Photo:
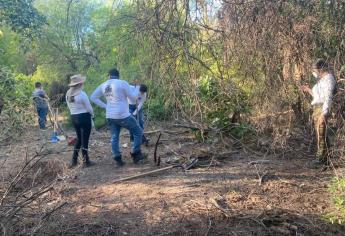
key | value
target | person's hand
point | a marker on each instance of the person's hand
(304, 88)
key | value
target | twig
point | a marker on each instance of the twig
(144, 174)
(260, 176)
(18, 177)
(54, 210)
(259, 162)
(224, 211)
(157, 161)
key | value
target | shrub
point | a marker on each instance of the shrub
(15, 91)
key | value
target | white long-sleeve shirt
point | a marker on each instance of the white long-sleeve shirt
(139, 101)
(323, 93)
(116, 93)
(80, 105)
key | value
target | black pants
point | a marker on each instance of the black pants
(82, 126)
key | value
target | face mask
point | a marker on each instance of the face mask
(316, 76)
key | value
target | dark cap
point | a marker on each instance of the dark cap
(320, 64)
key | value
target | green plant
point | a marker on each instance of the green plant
(158, 109)
(15, 90)
(337, 190)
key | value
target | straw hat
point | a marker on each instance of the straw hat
(77, 79)
(74, 90)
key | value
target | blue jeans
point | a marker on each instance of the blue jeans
(130, 124)
(139, 116)
(42, 116)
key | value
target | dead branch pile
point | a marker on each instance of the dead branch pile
(27, 195)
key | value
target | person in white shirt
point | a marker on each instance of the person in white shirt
(81, 115)
(137, 110)
(116, 93)
(322, 94)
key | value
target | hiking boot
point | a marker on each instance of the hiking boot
(86, 160)
(137, 157)
(119, 162)
(74, 161)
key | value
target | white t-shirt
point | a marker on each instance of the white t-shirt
(116, 93)
(140, 99)
(80, 105)
(323, 93)
(134, 101)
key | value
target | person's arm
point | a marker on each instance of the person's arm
(140, 104)
(95, 97)
(305, 88)
(87, 103)
(131, 91)
(45, 95)
(328, 95)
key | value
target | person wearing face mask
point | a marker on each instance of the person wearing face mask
(322, 93)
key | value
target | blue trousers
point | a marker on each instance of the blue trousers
(139, 116)
(42, 116)
(130, 124)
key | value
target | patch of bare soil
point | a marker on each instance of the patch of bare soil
(231, 191)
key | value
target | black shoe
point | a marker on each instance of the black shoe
(88, 163)
(73, 164)
(86, 160)
(137, 157)
(119, 162)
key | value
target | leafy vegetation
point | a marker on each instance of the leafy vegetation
(217, 64)
(337, 190)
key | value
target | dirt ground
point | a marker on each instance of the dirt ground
(231, 191)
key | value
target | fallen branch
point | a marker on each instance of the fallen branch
(157, 160)
(185, 166)
(224, 211)
(259, 162)
(144, 174)
(47, 215)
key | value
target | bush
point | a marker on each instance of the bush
(158, 109)
(15, 91)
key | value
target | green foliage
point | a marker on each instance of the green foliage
(158, 109)
(99, 120)
(21, 16)
(15, 90)
(337, 190)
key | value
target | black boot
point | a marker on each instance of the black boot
(86, 159)
(137, 157)
(74, 161)
(119, 162)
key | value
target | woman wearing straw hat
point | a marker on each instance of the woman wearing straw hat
(81, 114)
